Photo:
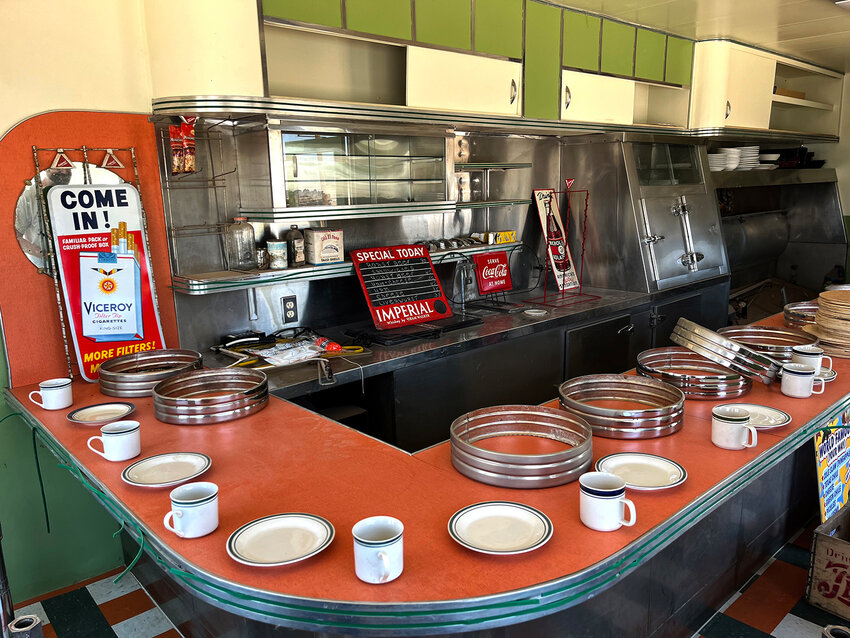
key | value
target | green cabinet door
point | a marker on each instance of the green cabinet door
(326, 12)
(618, 48)
(389, 18)
(649, 55)
(581, 40)
(542, 60)
(498, 27)
(446, 23)
(680, 58)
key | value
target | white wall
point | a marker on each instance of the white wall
(72, 54)
(198, 47)
(116, 55)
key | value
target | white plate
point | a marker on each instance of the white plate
(500, 527)
(764, 417)
(101, 413)
(643, 471)
(280, 539)
(164, 470)
(827, 375)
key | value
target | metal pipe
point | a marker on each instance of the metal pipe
(7, 611)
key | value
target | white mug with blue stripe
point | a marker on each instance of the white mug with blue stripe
(378, 549)
(603, 503)
(194, 510)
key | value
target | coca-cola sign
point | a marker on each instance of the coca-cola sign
(492, 272)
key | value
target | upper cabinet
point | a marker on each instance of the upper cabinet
(458, 82)
(542, 60)
(498, 27)
(742, 87)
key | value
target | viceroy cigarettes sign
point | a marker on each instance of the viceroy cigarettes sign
(106, 282)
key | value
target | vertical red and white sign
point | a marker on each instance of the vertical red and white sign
(105, 272)
(492, 272)
(556, 243)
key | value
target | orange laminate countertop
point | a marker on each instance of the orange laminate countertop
(287, 459)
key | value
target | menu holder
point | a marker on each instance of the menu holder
(400, 285)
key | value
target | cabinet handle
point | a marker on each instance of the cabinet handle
(513, 91)
(628, 329)
(728, 109)
(568, 97)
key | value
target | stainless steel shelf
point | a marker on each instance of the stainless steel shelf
(490, 166)
(228, 280)
(358, 211)
(778, 177)
(494, 203)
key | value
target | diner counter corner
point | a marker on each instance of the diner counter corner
(289, 459)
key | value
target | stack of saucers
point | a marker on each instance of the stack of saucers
(732, 157)
(716, 162)
(749, 158)
(832, 325)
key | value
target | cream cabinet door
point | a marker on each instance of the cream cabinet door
(732, 86)
(586, 97)
(458, 82)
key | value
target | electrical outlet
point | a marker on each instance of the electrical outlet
(289, 308)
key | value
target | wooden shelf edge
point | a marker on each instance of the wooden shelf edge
(795, 101)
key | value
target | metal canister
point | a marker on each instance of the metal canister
(277, 255)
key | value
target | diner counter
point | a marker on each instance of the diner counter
(288, 459)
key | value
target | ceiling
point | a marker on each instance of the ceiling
(814, 30)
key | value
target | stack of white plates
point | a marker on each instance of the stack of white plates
(716, 162)
(749, 158)
(732, 157)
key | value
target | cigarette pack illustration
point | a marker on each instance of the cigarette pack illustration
(111, 291)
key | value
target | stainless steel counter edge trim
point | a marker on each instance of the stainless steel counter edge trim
(551, 595)
(279, 106)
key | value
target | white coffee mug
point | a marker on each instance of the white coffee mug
(121, 440)
(55, 394)
(194, 510)
(810, 355)
(603, 503)
(378, 549)
(799, 380)
(731, 429)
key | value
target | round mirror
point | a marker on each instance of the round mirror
(29, 228)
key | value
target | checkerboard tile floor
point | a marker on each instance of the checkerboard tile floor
(101, 609)
(773, 601)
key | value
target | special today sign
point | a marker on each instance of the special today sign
(104, 270)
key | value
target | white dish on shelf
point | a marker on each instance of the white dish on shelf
(500, 527)
(280, 539)
(101, 413)
(643, 471)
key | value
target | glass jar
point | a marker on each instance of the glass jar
(295, 246)
(240, 250)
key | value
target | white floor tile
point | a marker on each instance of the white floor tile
(147, 625)
(795, 627)
(105, 590)
(34, 609)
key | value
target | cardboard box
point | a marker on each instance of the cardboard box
(323, 245)
(496, 237)
(800, 95)
(828, 585)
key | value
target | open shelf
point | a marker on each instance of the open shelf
(490, 166)
(779, 100)
(228, 280)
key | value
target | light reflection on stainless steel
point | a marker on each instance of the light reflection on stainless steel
(135, 375)
(694, 375)
(521, 470)
(662, 416)
(800, 313)
(771, 340)
(210, 396)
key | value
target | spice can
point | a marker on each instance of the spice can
(277, 255)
